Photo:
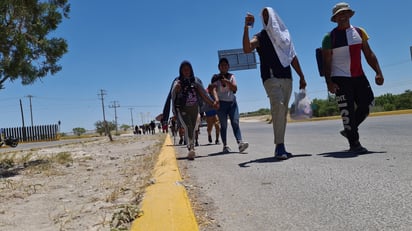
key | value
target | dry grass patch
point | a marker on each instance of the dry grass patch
(94, 185)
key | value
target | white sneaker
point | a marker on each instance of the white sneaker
(243, 146)
(226, 149)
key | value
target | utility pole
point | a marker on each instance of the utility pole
(142, 117)
(22, 119)
(106, 130)
(131, 116)
(115, 105)
(148, 117)
(31, 111)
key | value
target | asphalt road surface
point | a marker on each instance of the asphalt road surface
(322, 187)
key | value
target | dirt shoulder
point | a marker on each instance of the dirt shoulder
(261, 118)
(94, 185)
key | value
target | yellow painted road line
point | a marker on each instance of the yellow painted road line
(166, 206)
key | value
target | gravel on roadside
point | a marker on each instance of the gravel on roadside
(95, 185)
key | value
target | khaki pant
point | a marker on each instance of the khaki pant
(279, 92)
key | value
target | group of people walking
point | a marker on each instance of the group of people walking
(342, 49)
(188, 96)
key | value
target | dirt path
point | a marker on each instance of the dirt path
(86, 186)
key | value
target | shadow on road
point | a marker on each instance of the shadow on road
(211, 155)
(271, 159)
(346, 154)
(223, 153)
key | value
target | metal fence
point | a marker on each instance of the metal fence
(33, 133)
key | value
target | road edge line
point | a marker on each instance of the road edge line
(166, 205)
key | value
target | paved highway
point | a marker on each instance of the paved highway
(321, 188)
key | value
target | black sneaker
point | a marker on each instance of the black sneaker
(217, 142)
(343, 133)
(283, 156)
(209, 139)
(281, 153)
(359, 149)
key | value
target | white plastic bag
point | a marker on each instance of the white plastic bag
(301, 108)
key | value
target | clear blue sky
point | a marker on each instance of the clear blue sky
(133, 49)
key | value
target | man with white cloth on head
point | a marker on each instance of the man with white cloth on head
(277, 54)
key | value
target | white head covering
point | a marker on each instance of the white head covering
(280, 37)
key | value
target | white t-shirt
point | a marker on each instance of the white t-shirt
(223, 92)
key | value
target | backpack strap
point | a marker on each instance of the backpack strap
(319, 61)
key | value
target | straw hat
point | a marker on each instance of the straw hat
(342, 6)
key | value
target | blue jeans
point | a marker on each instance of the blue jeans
(229, 109)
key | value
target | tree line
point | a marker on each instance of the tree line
(386, 102)
(329, 107)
